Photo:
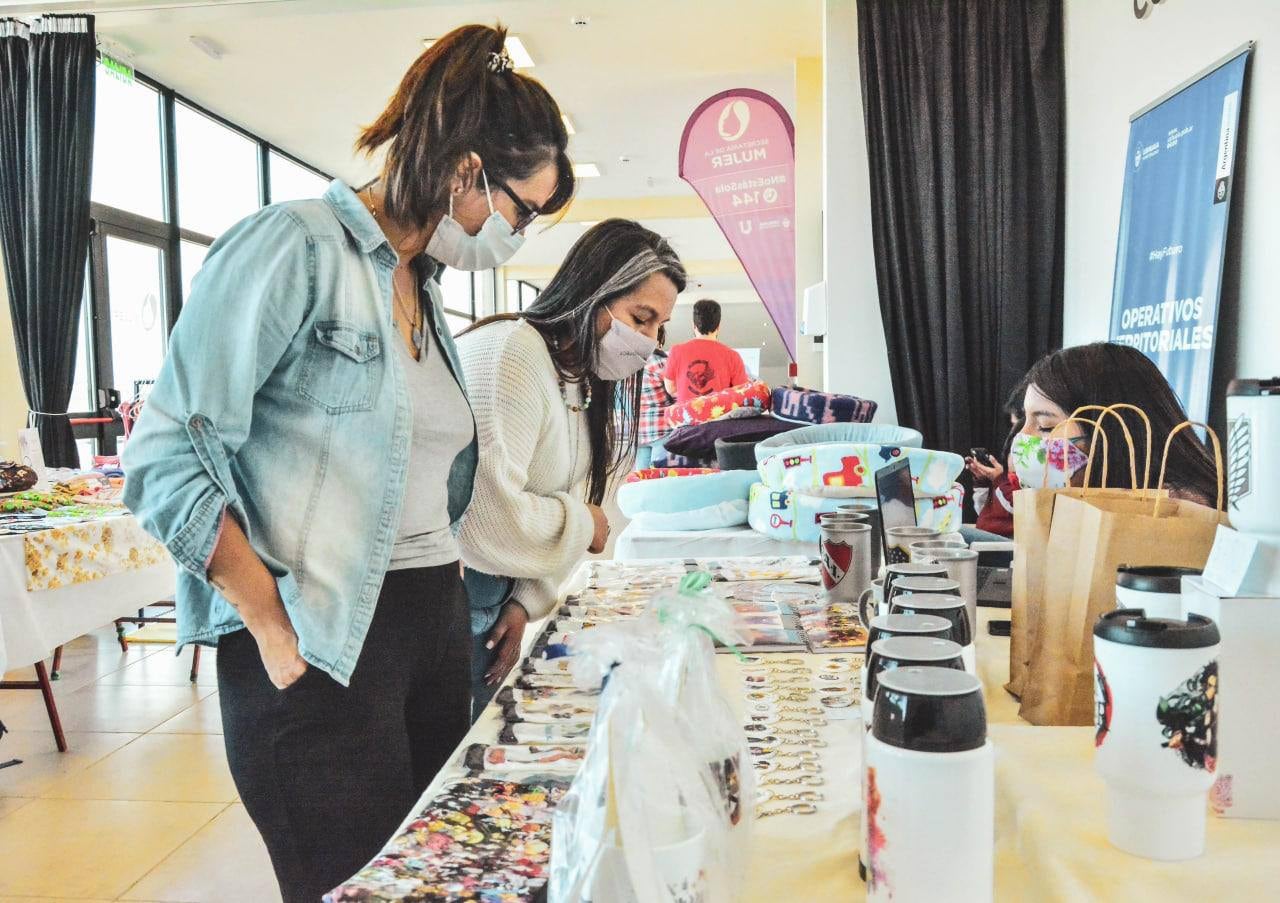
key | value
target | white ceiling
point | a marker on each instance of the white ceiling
(306, 74)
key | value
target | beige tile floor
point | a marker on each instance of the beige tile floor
(141, 807)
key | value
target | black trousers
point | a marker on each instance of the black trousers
(327, 772)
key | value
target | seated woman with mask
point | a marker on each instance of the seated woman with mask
(1106, 374)
(544, 385)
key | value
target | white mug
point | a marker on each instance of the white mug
(1156, 589)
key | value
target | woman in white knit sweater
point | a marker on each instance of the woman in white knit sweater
(544, 385)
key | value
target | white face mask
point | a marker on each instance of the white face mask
(623, 351)
(492, 246)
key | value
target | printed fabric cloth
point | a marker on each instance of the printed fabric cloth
(81, 553)
(659, 473)
(698, 440)
(807, 406)
(740, 401)
(480, 839)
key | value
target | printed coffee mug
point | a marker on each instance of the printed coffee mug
(1156, 589)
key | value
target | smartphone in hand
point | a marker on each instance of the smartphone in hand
(982, 456)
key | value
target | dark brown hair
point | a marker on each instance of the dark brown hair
(1105, 374)
(706, 316)
(453, 101)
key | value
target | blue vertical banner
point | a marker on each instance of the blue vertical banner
(1173, 228)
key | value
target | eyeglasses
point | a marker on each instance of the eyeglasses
(525, 214)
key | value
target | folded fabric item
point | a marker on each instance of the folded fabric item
(784, 514)
(869, 433)
(713, 517)
(662, 473)
(809, 406)
(736, 454)
(698, 440)
(684, 493)
(844, 470)
(737, 401)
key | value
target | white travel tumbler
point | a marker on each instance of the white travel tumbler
(887, 655)
(1156, 688)
(929, 787)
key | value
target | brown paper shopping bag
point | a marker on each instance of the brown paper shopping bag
(1032, 516)
(1090, 536)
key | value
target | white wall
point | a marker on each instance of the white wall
(13, 400)
(1117, 64)
(856, 357)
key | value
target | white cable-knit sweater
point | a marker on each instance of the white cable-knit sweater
(527, 518)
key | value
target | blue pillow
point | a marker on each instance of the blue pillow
(669, 495)
(866, 433)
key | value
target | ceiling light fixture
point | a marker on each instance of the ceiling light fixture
(586, 171)
(568, 124)
(520, 57)
(207, 46)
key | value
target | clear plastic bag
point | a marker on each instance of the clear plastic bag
(660, 811)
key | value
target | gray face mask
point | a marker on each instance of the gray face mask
(491, 247)
(623, 351)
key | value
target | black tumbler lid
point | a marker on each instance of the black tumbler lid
(1132, 627)
(926, 585)
(933, 710)
(1254, 386)
(900, 651)
(906, 625)
(942, 605)
(1154, 578)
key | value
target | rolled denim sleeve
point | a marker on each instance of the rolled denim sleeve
(246, 306)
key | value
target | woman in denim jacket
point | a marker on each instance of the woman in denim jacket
(308, 451)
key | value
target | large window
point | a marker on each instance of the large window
(521, 294)
(291, 182)
(127, 170)
(461, 293)
(168, 179)
(217, 173)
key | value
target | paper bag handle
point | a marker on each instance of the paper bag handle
(1217, 458)
(1044, 480)
(1128, 436)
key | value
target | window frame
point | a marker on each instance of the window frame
(167, 236)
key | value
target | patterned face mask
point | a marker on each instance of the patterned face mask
(1038, 463)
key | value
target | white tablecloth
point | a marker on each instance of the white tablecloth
(723, 542)
(33, 624)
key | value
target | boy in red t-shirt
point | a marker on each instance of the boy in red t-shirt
(703, 365)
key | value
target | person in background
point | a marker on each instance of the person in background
(654, 401)
(992, 491)
(1103, 373)
(545, 385)
(308, 451)
(703, 365)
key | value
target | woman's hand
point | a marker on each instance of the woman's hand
(991, 474)
(279, 651)
(505, 638)
(601, 536)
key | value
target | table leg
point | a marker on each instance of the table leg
(195, 661)
(51, 706)
(124, 644)
(57, 664)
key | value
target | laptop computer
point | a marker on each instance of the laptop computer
(896, 497)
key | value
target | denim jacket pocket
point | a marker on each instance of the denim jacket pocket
(340, 367)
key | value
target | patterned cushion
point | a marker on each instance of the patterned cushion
(839, 469)
(739, 401)
(698, 440)
(808, 406)
(662, 473)
(787, 514)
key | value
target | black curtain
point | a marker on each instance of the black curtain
(964, 108)
(46, 159)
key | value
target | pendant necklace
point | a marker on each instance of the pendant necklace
(413, 318)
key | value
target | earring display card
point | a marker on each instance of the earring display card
(478, 840)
